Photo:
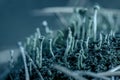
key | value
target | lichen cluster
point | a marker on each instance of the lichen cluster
(89, 43)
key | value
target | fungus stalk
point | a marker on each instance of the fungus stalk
(106, 38)
(73, 44)
(35, 42)
(101, 38)
(51, 51)
(76, 19)
(45, 24)
(112, 34)
(79, 60)
(76, 43)
(24, 59)
(39, 52)
(28, 41)
(82, 13)
(59, 34)
(87, 42)
(83, 28)
(75, 28)
(11, 58)
(34, 46)
(38, 32)
(35, 67)
(80, 56)
(30, 67)
(69, 43)
(95, 21)
(41, 45)
(89, 31)
(82, 50)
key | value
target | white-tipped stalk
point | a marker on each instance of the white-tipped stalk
(11, 58)
(45, 24)
(38, 32)
(69, 43)
(24, 59)
(51, 51)
(95, 21)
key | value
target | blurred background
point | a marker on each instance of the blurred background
(17, 21)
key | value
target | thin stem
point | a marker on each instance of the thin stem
(73, 44)
(95, 21)
(38, 32)
(89, 30)
(87, 42)
(51, 51)
(35, 67)
(101, 38)
(76, 43)
(59, 34)
(69, 43)
(11, 58)
(24, 59)
(83, 28)
(39, 52)
(48, 31)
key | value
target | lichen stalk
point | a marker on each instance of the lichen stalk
(95, 21)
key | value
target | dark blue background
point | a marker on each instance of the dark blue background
(16, 22)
